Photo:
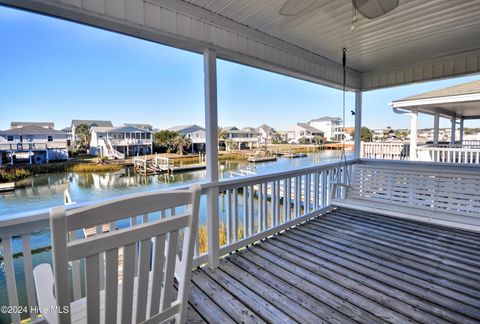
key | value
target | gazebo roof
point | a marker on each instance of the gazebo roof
(461, 100)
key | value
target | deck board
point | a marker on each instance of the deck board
(346, 266)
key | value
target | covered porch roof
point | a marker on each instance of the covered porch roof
(418, 41)
(459, 101)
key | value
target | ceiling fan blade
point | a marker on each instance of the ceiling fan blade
(296, 7)
(374, 8)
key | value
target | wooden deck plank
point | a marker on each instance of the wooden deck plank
(306, 300)
(419, 240)
(256, 303)
(384, 240)
(279, 300)
(208, 310)
(398, 261)
(388, 307)
(316, 287)
(409, 284)
(229, 303)
(418, 228)
(376, 243)
(347, 266)
(459, 234)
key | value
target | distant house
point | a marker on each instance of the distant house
(22, 124)
(89, 123)
(244, 138)
(303, 130)
(146, 127)
(33, 142)
(331, 126)
(266, 134)
(120, 142)
(194, 132)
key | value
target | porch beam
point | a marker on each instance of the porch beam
(436, 126)
(211, 129)
(358, 125)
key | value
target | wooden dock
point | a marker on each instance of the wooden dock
(346, 267)
(160, 164)
(256, 159)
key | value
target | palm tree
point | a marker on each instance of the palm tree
(276, 138)
(231, 145)
(180, 142)
(222, 136)
(83, 135)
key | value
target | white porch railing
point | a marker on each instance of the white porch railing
(465, 153)
(475, 143)
(449, 154)
(387, 151)
(251, 208)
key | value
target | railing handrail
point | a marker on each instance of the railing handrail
(40, 217)
(424, 165)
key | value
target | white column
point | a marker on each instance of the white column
(358, 125)
(452, 138)
(436, 126)
(413, 135)
(461, 130)
(211, 125)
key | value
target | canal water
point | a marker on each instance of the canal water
(44, 191)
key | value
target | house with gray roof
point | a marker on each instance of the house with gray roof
(15, 124)
(303, 130)
(33, 142)
(194, 132)
(89, 123)
(120, 142)
(331, 126)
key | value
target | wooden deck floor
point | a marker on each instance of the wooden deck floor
(346, 266)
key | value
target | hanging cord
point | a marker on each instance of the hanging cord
(343, 157)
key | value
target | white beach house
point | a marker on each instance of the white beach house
(244, 138)
(194, 132)
(120, 142)
(35, 142)
(303, 132)
(89, 124)
(331, 127)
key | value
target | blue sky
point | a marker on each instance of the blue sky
(54, 70)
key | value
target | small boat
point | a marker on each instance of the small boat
(8, 186)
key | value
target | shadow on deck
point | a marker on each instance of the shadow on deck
(346, 266)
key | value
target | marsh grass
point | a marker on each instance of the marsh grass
(14, 173)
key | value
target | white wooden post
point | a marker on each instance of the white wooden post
(436, 126)
(413, 135)
(461, 130)
(452, 137)
(211, 125)
(358, 125)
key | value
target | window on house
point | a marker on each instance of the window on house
(50, 138)
(10, 138)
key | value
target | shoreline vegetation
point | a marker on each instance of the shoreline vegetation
(15, 173)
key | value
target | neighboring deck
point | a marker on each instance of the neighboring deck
(346, 266)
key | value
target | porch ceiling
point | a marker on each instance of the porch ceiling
(418, 41)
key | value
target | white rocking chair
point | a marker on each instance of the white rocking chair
(145, 291)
